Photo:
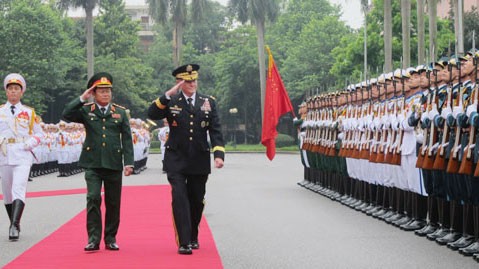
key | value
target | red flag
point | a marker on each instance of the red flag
(276, 103)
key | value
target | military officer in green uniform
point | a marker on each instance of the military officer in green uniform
(106, 152)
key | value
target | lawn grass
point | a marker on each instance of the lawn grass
(246, 148)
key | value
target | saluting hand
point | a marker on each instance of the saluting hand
(219, 163)
(174, 90)
(88, 93)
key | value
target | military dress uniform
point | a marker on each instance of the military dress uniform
(187, 155)
(20, 132)
(107, 149)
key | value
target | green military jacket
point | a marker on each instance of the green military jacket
(108, 143)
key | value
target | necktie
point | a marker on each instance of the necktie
(103, 110)
(12, 108)
(190, 102)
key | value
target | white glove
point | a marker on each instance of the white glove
(424, 116)
(446, 111)
(456, 110)
(420, 138)
(30, 144)
(341, 136)
(433, 113)
(400, 118)
(470, 109)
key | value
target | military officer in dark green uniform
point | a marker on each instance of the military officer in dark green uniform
(192, 117)
(106, 152)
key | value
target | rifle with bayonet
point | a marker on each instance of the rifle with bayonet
(440, 160)
(428, 162)
(453, 164)
(376, 137)
(467, 158)
(396, 159)
(430, 96)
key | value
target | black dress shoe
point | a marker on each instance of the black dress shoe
(194, 245)
(112, 246)
(462, 242)
(430, 228)
(437, 234)
(92, 247)
(448, 238)
(413, 225)
(470, 250)
(185, 250)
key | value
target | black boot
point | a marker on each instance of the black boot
(9, 211)
(17, 210)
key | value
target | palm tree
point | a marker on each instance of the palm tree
(388, 29)
(420, 32)
(406, 33)
(432, 10)
(88, 6)
(257, 11)
(161, 10)
(365, 10)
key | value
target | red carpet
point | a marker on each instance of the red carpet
(146, 239)
(52, 193)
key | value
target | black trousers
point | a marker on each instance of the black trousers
(188, 194)
(112, 181)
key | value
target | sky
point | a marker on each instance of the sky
(351, 10)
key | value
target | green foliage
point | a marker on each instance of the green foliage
(283, 140)
(36, 43)
(155, 144)
(115, 32)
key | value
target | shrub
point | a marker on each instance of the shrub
(155, 144)
(283, 140)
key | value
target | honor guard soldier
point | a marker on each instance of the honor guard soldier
(192, 117)
(20, 132)
(107, 150)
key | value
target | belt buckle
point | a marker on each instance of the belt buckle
(11, 140)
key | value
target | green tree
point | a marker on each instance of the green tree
(37, 43)
(235, 72)
(163, 10)
(115, 32)
(258, 12)
(117, 52)
(88, 6)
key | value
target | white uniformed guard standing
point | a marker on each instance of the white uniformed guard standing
(19, 134)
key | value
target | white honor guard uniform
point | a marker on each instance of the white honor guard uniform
(19, 134)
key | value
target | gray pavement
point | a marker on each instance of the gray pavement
(260, 218)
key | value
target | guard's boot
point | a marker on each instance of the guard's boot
(8, 207)
(431, 223)
(452, 234)
(466, 239)
(17, 210)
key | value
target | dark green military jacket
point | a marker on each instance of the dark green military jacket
(108, 143)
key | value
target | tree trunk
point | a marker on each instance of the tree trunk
(420, 32)
(387, 36)
(432, 10)
(406, 33)
(177, 43)
(261, 60)
(89, 42)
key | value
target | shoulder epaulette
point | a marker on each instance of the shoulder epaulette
(212, 97)
(29, 107)
(117, 105)
(88, 104)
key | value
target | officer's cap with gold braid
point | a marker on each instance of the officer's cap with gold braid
(188, 72)
(15, 78)
(101, 80)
